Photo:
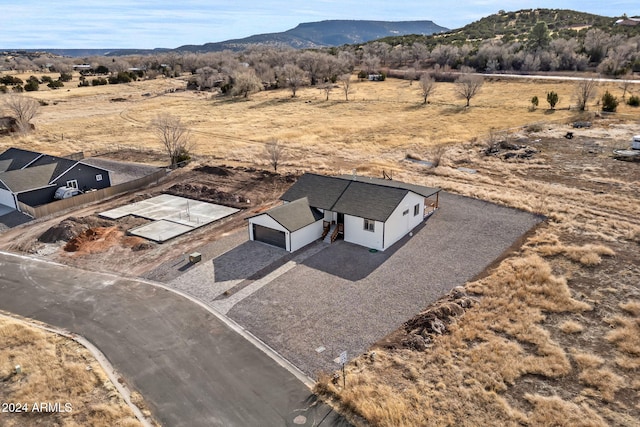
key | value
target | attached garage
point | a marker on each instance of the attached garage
(290, 226)
(270, 236)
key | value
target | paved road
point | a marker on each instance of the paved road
(192, 369)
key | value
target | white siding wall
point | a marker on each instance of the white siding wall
(354, 232)
(6, 198)
(266, 221)
(306, 235)
(330, 216)
(398, 225)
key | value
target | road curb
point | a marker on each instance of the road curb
(102, 360)
(257, 342)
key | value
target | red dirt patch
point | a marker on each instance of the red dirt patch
(94, 240)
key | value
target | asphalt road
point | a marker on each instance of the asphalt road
(191, 368)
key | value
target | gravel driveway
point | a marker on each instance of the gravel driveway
(346, 298)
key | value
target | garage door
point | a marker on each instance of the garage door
(269, 235)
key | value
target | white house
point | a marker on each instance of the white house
(374, 213)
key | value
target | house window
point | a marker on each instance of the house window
(73, 183)
(99, 177)
(405, 213)
(369, 225)
(416, 210)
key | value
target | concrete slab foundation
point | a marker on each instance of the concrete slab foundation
(160, 231)
(173, 216)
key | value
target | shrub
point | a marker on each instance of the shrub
(98, 82)
(32, 84)
(18, 88)
(46, 79)
(634, 101)
(101, 69)
(609, 102)
(10, 80)
(122, 77)
(534, 102)
(65, 77)
(4, 89)
(552, 99)
(362, 75)
(56, 84)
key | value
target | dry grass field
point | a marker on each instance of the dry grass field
(382, 122)
(553, 337)
(55, 370)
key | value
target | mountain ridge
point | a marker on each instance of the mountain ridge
(306, 35)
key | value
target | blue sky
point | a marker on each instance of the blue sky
(30, 24)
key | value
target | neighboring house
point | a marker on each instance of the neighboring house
(33, 178)
(629, 22)
(374, 213)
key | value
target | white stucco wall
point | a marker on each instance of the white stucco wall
(305, 235)
(6, 198)
(398, 225)
(266, 221)
(354, 232)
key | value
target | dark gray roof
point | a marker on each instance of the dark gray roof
(322, 191)
(5, 164)
(418, 189)
(19, 157)
(29, 178)
(295, 215)
(61, 165)
(369, 201)
(369, 198)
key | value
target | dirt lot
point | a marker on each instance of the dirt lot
(85, 240)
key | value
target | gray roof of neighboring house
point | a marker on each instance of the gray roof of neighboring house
(369, 198)
(22, 170)
(19, 158)
(295, 215)
(5, 164)
(28, 179)
(61, 164)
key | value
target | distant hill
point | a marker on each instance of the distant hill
(512, 26)
(325, 34)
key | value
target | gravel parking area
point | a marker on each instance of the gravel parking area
(347, 298)
(121, 171)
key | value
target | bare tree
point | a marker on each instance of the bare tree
(427, 84)
(245, 82)
(274, 152)
(174, 136)
(294, 77)
(23, 109)
(345, 84)
(315, 64)
(468, 85)
(326, 87)
(410, 74)
(371, 63)
(585, 92)
(625, 84)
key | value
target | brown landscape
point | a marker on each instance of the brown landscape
(546, 336)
